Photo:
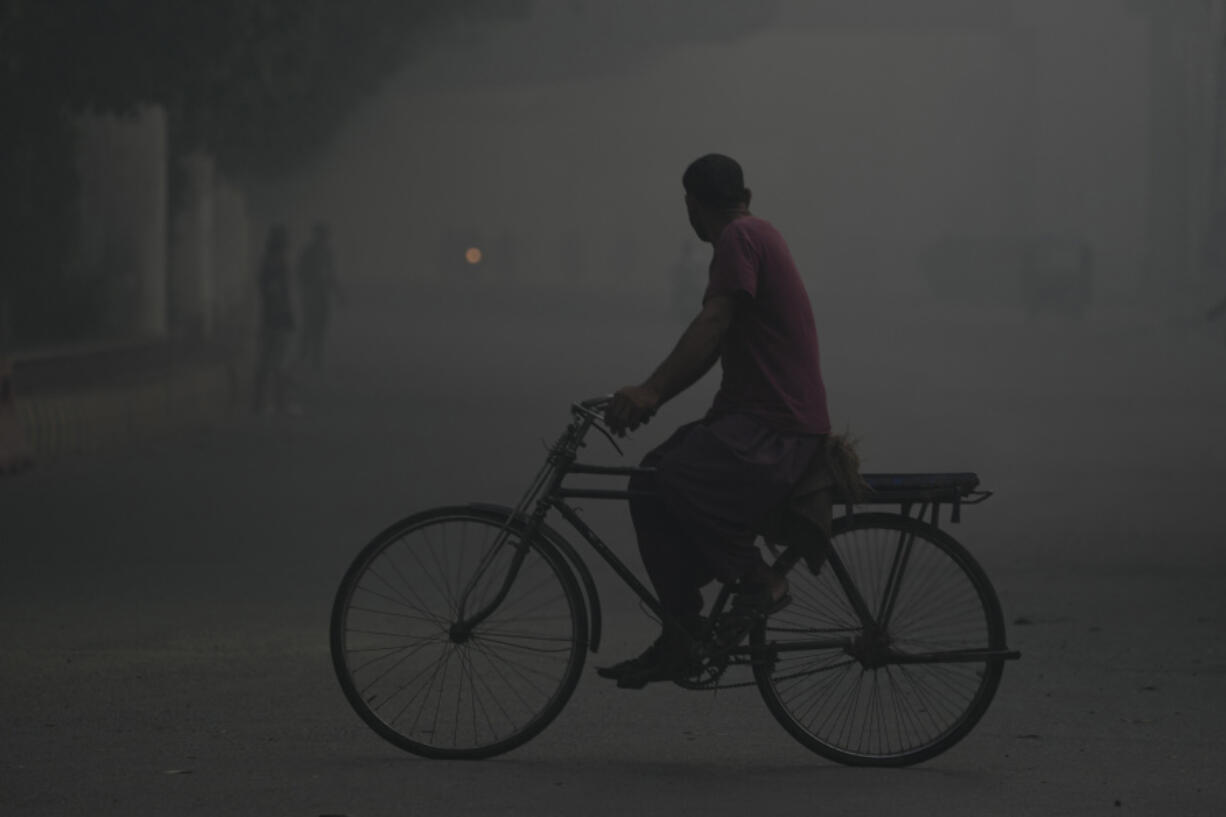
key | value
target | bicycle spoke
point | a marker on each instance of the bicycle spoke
(440, 689)
(500, 666)
(416, 604)
(851, 704)
(404, 582)
(546, 641)
(388, 613)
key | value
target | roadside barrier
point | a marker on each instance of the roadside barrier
(15, 453)
(87, 420)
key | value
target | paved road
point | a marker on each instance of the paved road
(163, 609)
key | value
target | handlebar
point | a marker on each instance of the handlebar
(595, 403)
(594, 407)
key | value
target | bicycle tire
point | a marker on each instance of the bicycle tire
(394, 651)
(896, 714)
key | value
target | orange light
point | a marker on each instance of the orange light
(472, 255)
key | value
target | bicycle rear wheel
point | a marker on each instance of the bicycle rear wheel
(864, 702)
(446, 691)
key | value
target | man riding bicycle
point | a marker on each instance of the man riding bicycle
(714, 480)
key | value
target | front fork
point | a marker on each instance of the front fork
(464, 624)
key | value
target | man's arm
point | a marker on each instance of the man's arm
(692, 357)
(696, 351)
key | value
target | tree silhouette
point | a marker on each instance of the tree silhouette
(260, 84)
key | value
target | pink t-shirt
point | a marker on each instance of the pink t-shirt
(769, 357)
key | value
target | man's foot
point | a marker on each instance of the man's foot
(649, 657)
(673, 660)
(762, 600)
(669, 658)
(761, 589)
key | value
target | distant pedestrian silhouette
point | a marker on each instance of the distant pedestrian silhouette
(1217, 311)
(319, 286)
(271, 392)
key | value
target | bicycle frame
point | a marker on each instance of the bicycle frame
(547, 493)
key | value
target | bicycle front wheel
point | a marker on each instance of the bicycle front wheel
(454, 637)
(906, 688)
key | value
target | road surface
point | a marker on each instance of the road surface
(163, 608)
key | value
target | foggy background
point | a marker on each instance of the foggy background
(1006, 217)
(555, 143)
(864, 141)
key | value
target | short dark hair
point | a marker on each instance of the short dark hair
(716, 180)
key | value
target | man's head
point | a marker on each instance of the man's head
(714, 192)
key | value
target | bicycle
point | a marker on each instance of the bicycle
(461, 631)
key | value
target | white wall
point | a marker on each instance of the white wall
(121, 240)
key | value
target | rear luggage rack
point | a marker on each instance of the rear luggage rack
(906, 490)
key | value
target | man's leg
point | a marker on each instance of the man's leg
(674, 565)
(321, 338)
(712, 483)
(263, 372)
(279, 348)
(721, 481)
(672, 561)
(676, 572)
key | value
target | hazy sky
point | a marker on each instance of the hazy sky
(862, 143)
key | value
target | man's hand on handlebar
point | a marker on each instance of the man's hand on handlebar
(630, 407)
